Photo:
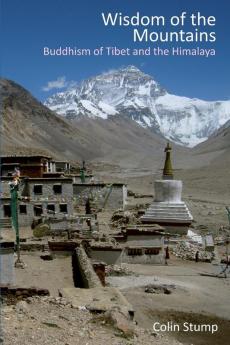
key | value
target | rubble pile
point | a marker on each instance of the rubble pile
(120, 218)
(142, 207)
(223, 235)
(224, 230)
(187, 251)
(53, 320)
(219, 240)
(138, 195)
(119, 319)
(12, 294)
(159, 289)
(117, 270)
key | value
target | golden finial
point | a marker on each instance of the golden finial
(168, 170)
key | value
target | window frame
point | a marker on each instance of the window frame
(21, 206)
(8, 213)
(50, 209)
(41, 210)
(57, 185)
(64, 204)
(134, 251)
(38, 185)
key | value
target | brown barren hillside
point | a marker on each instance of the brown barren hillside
(28, 126)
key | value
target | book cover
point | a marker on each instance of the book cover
(115, 190)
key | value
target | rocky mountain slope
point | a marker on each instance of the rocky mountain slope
(28, 126)
(218, 141)
(137, 96)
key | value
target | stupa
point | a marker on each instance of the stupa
(167, 209)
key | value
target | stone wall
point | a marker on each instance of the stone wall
(115, 257)
(145, 240)
(7, 274)
(83, 272)
(99, 268)
(110, 256)
(65, 224)
(32, 247)
(143, 258)
(12, 294)
(77, 178)
(47, 189)
(5, 188)
(108, 196)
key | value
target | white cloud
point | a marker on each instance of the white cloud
(72, 84)
(109, 71)
(59, 83)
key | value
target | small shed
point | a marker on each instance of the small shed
(208, 243)
(144, 244)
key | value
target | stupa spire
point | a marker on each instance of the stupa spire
(168, 170)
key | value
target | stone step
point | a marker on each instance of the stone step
(165, 218)
(5, 220)
(172, 206)
(185, 210)
(166, 214)
(46, 247)
(5, 223)
(162, 213)
(170, 214)
(167, 210)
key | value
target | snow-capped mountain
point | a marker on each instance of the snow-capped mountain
(132, 93)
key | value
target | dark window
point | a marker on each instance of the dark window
(63, 208)
(7, 210)
(22, 209)
(134, 251)
(152, 251)
(57, 188)
(38, 189)
(37, 210)
(51, 208)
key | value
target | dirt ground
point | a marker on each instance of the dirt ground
(52, 275)
(53, 320)
(194, 298)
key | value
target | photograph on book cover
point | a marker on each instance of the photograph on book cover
(115, 184)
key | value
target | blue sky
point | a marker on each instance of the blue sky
(27, 26)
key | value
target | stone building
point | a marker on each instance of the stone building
(50, 189)
(142, 244)
(46, 196)
(33, 166)
(42, 181)
(28, 165)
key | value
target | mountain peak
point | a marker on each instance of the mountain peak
(131, 93)
(131, 68)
